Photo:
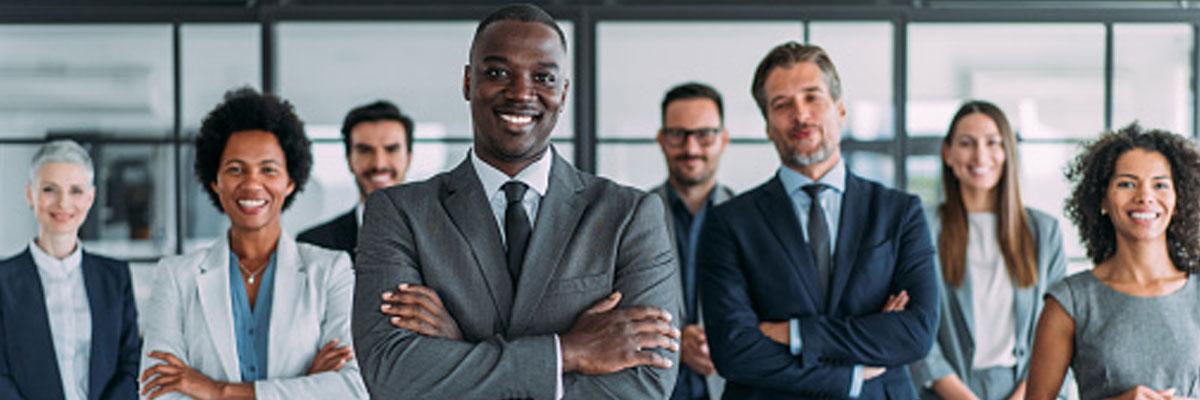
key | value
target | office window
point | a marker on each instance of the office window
(216, 58)
(93, 80)
(1152, 76)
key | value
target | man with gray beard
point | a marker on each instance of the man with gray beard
(818, 283)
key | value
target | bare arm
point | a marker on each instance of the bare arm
(1053, 347)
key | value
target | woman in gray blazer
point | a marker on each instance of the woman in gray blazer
(255, 315)
(997, 259)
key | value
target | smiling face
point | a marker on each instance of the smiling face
(253, 181)
(803, 119)
(975, 153)
(61, 196)
(378, 155)
(516, 89)
(1140, 199)
(692, 162)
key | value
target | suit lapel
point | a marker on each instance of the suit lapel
(347, 230)
(471, 213)
(557, 216)
(103, 331)
(850, 230)
(287, 297)
(213, 285)
(780, 215)
(35, 334)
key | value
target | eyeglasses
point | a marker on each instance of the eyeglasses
(678, 136)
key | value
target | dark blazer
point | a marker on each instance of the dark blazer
(591, 237)
(955, 347)
(755, 266)
(340, 233)
(28, 368)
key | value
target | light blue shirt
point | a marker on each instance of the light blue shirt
(831, 202)
(251, 327)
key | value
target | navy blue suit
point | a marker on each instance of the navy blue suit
(755, 266)
(28, 368)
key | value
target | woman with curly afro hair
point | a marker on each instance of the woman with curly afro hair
(254, 315)
(1128, 328)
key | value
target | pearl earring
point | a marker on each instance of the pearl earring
(1103, 212)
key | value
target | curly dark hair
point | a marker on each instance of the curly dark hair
(1092, 170)
(246, 109)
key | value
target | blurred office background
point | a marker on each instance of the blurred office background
(132, 79)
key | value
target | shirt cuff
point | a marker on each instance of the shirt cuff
(856, 381)
(558, 384)
(794, 341)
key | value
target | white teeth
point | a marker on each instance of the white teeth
(516, 119)
(980, 170)
(381, 178)
(252, 203)
(1143, 215)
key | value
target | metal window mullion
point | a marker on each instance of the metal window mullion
(585, 92)
(177, 132)
(900, 99)
(1108, 76)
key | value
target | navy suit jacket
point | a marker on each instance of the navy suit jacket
(340, 233)
(755, 266)
(28, 367)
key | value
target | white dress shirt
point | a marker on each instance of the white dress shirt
(70, 317)
(537, 177)
(991, 295)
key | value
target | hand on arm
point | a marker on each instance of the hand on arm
(1140, 392)
(419, 309)
(694, 351)
(331, 357)
(175, 376)
(953, 388)
(605, 339)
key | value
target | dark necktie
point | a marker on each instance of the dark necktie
(818, 235)
(516, 227)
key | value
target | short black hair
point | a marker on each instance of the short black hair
(693, 90)
(523, 12)
(1092, 170)
(245, 109)
(380, 110)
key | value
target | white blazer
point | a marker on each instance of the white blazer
(191, 317)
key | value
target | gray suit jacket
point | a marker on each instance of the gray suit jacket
(955, 347)
(591, 237)
(715, 383)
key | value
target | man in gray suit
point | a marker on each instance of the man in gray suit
(515, 275)
(692, 139)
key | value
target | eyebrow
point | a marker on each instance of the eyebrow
(1135, 177)
(500, 59)
(238, 160)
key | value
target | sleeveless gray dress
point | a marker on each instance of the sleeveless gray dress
(1122, 341)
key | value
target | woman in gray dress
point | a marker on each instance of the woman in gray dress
(1129, 327)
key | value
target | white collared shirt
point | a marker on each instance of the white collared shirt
(537, 177)
(70, 316)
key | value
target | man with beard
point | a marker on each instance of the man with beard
(515, 275)
(692, 138)
(378, 140)
(818, 283)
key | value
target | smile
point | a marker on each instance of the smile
(1143, 215)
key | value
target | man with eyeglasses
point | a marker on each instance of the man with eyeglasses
(692, 138)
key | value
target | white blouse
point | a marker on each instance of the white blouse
(70, 317)
(991, 295)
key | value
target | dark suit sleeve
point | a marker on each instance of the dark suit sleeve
(400, 364)
(124, 383)
(8, 388)
(646, 274)
(886, 339)
(741, 353)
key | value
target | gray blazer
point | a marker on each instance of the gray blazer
(715, 383)
(955, 347)
(591, 237)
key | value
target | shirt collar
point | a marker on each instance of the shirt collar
(358, 212)
(793, 181)
(48, 263)
(674, 199)
(535, 175)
